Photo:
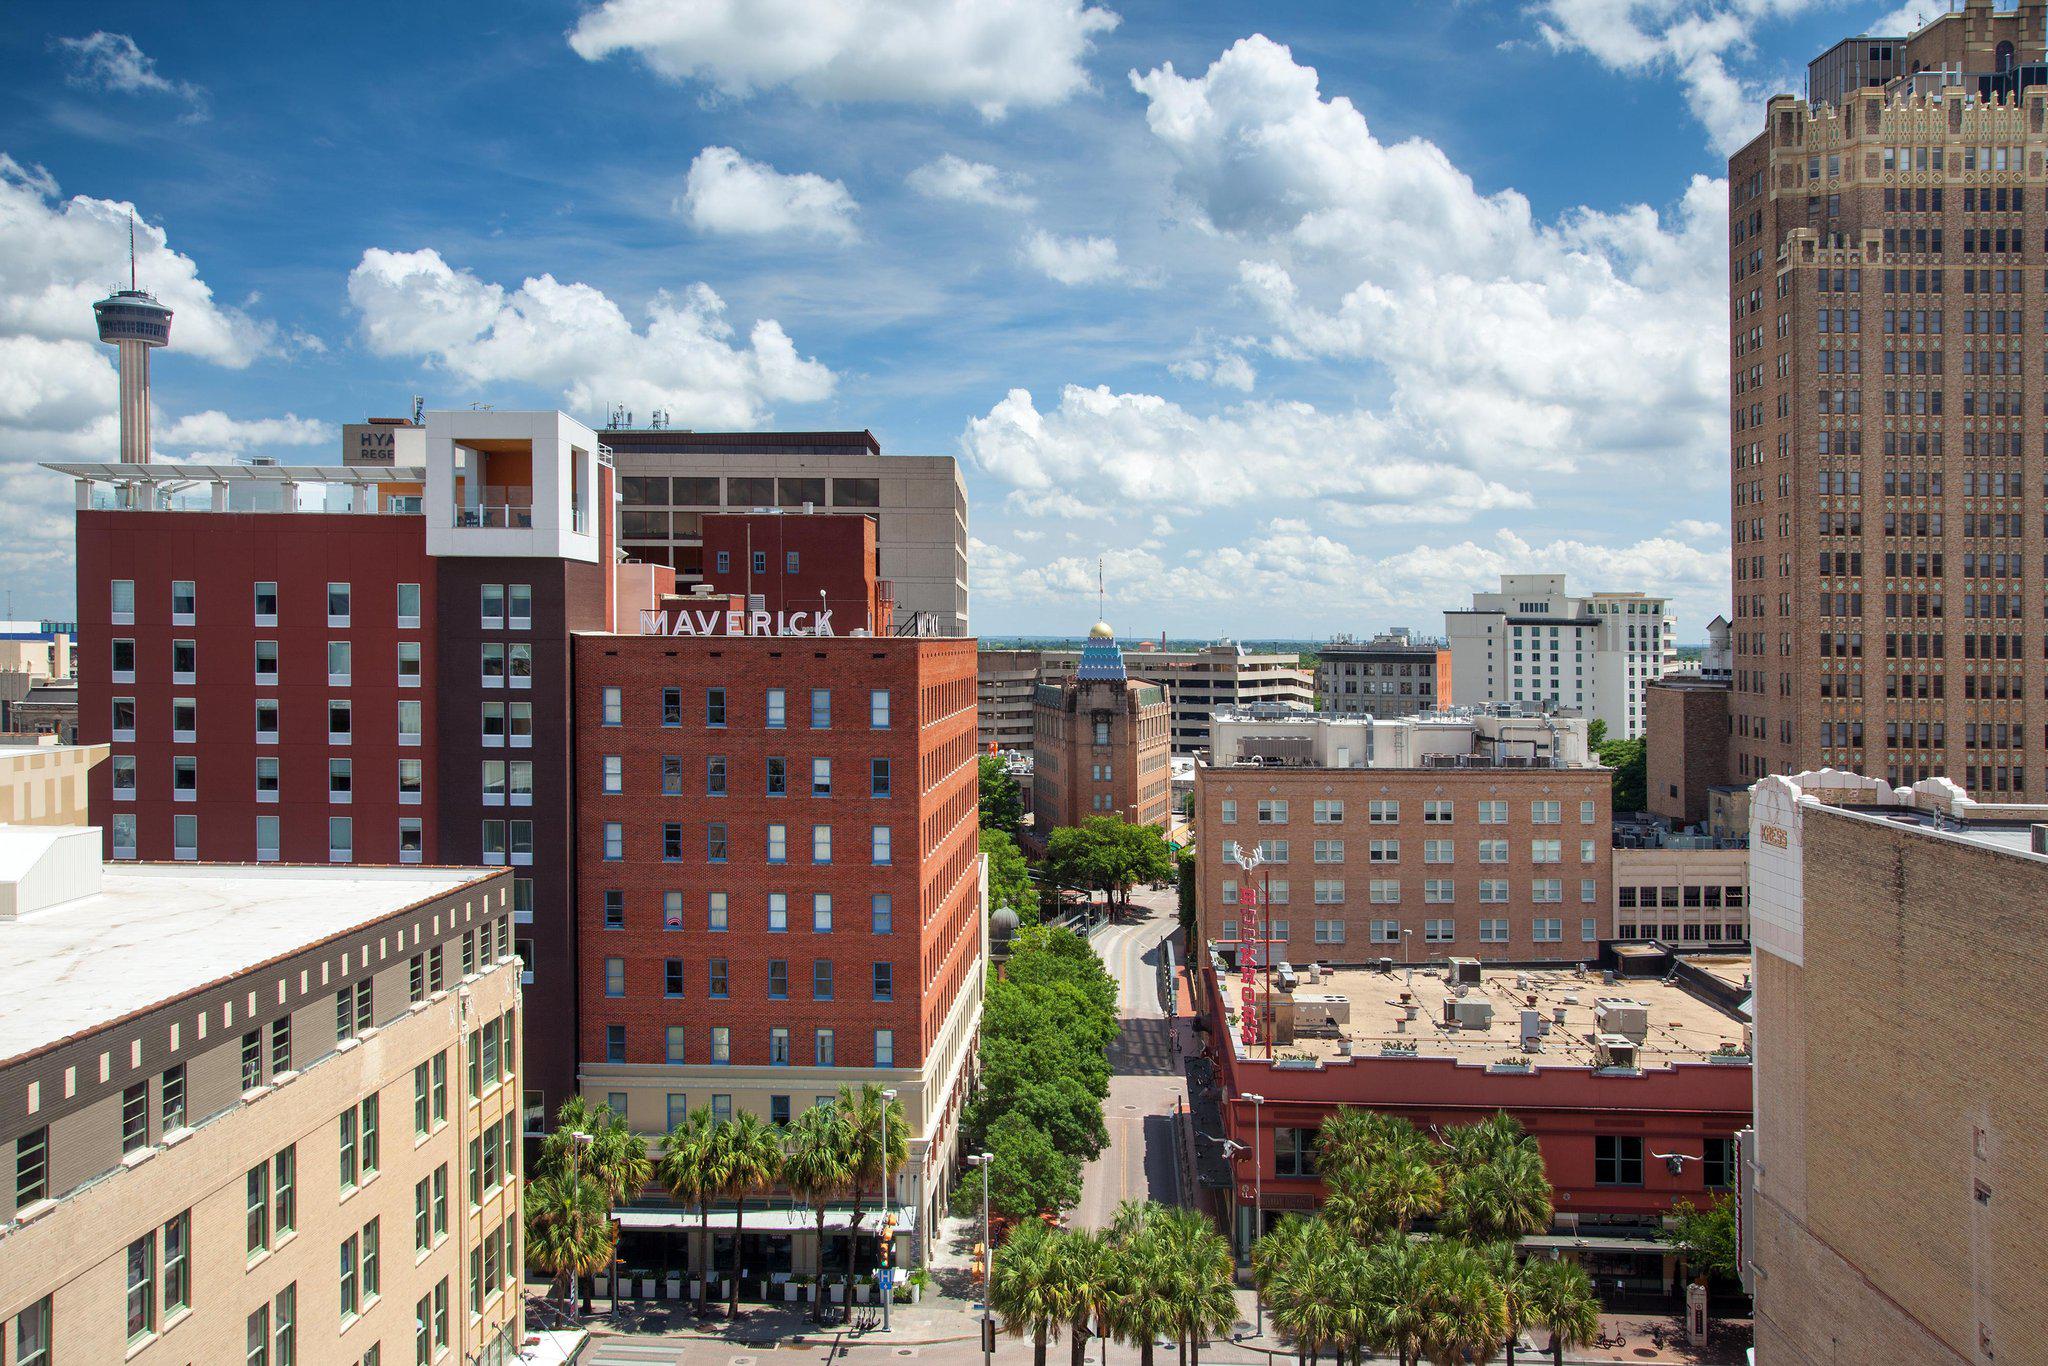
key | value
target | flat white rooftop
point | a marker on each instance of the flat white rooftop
(154, 932)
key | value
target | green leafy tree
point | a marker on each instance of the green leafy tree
(1187, 872)
(1596, 735)
(1631, 783)
(1027, 1288)
(818, 1168)
(685, 1168)
(1009, 877)
(1109, 855)
(1464, 1309)
(1707, 1236)
(593, 1140)
(1559, 1296)
(1028, 1176)
(1002, 801)
(569, 1229)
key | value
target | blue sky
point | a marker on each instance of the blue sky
(1305, 317)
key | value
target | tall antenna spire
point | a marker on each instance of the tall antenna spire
(1101, 600)
(131, 248)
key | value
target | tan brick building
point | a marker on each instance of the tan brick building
(1100, 743)
(1893, 1197)
(1459, 834)
(255, 1114)
(1884, 239)
(1685, 745)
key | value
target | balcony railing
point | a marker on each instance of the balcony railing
(505, 507)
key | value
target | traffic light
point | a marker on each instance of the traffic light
(976, 1265)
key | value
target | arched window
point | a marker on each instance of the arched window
(2005, 56)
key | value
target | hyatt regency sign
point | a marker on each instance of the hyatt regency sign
(685, 621)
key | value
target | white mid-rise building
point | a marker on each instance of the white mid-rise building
(1532, 643)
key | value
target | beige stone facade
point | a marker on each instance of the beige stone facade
(1690, 893)
(309, 1153)
(1893, 1196)
(46, 784)
(1886, 375)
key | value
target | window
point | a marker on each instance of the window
(121, 601)
(284, 1325)
(184, 661)
(615, 977)
(350, 1170)
(821, 1048)
(880, 909)
(1439, 891)
(135, 1117)
(821, 912)
(337, 604)
(142, 1286)
(32, 1166)
(1493, 931)
(821, 777)
(776, 709)
(1546, 851)
(1438, 812)
(1546, 930)
(266, 661)
(280, 1045)
(777, 776)
(1294, 1152)
(1718, 1168)
(878, 709)
(614, 839)
(1586, 810)
(885, 1048)
(171, 1099)
(1439, 851)
(1545, 813)
(821, 709)
(258, 1184)
(1382, 812)
(721, 1045)
(614, 707)
(778, 844)
(778, 979)
(1617, 1160)
(1493, 851)
(885, 981)
(1493, 813)
(1273, 812)
(778, 1048)
(32, 1334)
(258, 1340)
(878, 777)
(373, 1270)
(1546, 890)
(1439, 931)
(350, 1247)
(408, 605)
(1329, 931)
(614, 1043)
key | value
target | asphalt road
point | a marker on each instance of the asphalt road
(1145, 1070)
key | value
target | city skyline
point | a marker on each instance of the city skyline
(1199, 311)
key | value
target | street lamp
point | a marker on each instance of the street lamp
(1258, 1191)
(887, 1277)
(1406, 966)
(985, 1255)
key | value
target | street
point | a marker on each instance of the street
(1145, 1069)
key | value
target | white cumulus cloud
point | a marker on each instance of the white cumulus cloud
(970, 182)
(1701, 42)
(1511, 343)
(112, 62)
(1099, 451)
(726, 193)
(572, 339)
(58, 385)
(1072, 260)
(212, 433)
(992, 55)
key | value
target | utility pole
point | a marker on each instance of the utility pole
(984, 1263)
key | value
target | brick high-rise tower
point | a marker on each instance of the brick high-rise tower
(1882, 236)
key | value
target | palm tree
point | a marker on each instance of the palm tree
(1303, 1307)
(1141, 1276)
(1394, 1286)
(685, 1169)
(1560, 1296)
(1486, 1140)
(1085, 1291)
(1027, 1286)
(569, 1231)
(607, 1149)
(818, 1167)
(1464, 1308)
(1511, 1273)
(873, 1164)
(749, 1159)
(1203, 1276)
(1505, 1196)
(1296, 1238)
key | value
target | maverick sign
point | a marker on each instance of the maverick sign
(715, 621)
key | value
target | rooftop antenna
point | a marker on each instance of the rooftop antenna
(1101, 608)
(131, 249)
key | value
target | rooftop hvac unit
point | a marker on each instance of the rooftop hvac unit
(1472, 1014)
(1534, 1027)
(1464, 971)
(1623, 1018)
(1615, 1051)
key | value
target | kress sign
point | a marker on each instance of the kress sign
(713, 621)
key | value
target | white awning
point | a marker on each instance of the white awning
(762, 1220)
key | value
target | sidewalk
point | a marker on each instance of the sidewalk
(937, 1320)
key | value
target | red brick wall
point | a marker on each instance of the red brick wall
(226, 554)
(837, 564)
(931, 813)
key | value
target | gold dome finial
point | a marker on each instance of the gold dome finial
(1100, 631)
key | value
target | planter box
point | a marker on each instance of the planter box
(792, 1293)
(603, 1289)
(863, 1293)
(674, 1289)
(647, 1287)
(838, 1293)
